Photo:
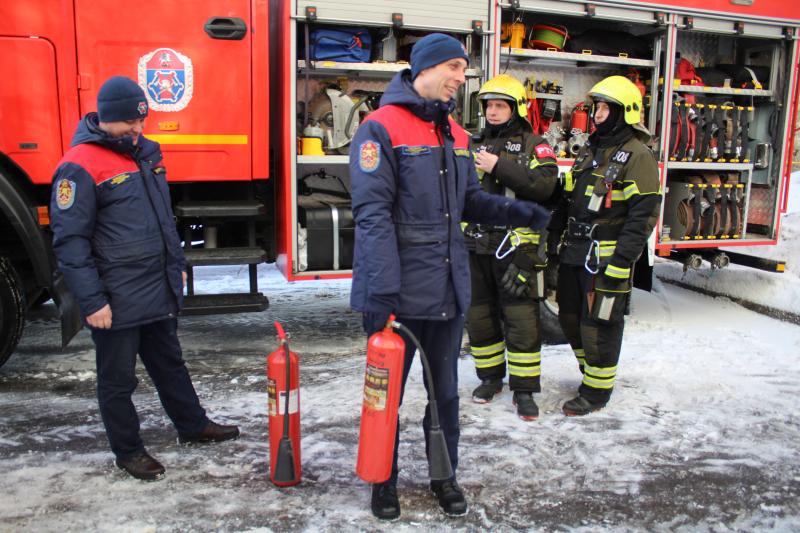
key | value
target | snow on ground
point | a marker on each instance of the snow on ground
(701, 434)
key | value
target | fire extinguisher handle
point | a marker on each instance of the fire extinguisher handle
(281, 333)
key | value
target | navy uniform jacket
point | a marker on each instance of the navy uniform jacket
(114, 232)
(413, 181)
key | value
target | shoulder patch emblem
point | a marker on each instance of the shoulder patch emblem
(65, 193)
(545, 150)
(369, 156)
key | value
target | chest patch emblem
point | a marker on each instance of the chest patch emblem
(416, 150)
(369, 156)
(116, 180)
(65, 193)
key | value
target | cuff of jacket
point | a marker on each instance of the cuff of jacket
(382, 303)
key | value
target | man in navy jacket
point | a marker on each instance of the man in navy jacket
(413, 182)
(116, 243)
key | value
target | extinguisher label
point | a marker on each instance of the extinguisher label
(279, 407)
(376, 387)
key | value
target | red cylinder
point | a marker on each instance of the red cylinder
(382, 380)
(277, 389)
(580, 119)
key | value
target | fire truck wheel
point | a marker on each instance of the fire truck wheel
(12, 309)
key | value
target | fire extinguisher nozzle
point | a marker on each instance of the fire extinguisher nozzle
(439, 467)
(284, 469)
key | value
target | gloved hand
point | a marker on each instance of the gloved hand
(378, 309)
(528, 214)
(516, 281)
(374, 322)
(605, 283)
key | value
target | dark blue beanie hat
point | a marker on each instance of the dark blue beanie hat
(434, 49)
(121, 98)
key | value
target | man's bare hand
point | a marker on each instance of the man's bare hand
(100, 319)
(485, 161)
(184, 279)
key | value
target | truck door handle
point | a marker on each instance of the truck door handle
(227, 28)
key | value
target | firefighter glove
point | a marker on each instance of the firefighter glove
(613, 279)
(516, 281)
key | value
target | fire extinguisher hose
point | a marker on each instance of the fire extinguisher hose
(438, 459)
(284, 470)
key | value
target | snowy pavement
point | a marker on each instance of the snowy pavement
(701, 435)
(702, 432)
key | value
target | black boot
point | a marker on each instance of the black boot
(526, 407)
(580, 406)
(213, 432)
(385, 504)
(485, 392)
(141, 466)
(451, 499)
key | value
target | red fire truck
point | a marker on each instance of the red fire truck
(254, 103)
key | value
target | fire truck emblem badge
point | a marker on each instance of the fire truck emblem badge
(65, 191)
(369, 156)
(168, 78)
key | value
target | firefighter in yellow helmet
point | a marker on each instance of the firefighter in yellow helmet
(506, 264)
(609, 208)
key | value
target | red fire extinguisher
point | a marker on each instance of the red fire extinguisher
(382, 382)
(580, 118)
(283, 387)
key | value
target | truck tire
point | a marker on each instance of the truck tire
(12, 309)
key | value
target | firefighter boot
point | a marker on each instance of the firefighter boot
(451, 499)
(385, 504)
(485, 392)
(141, 466)
(580, 406)
(526, 408)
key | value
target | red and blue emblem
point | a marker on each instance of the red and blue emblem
(168, 79)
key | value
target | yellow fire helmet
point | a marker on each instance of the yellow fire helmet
(620, 90)
(505, 87)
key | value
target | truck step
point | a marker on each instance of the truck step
(225, 256)
(211, 304)
(242, 208)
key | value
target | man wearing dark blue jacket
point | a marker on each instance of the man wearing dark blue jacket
(413, 181)
(116, 243)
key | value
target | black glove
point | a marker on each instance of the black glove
(374, 322)
(605, 283)
(528, 214)
(378, 309)
(516, 281)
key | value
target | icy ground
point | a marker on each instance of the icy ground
(702, 432)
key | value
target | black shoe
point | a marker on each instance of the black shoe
(213, 432)
(526, 407)
(385, 504)
(451, 499)
(580, 406)
(141, 466)
(486, 391)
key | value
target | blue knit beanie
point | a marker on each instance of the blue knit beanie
(434, 49)
(121, 98)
